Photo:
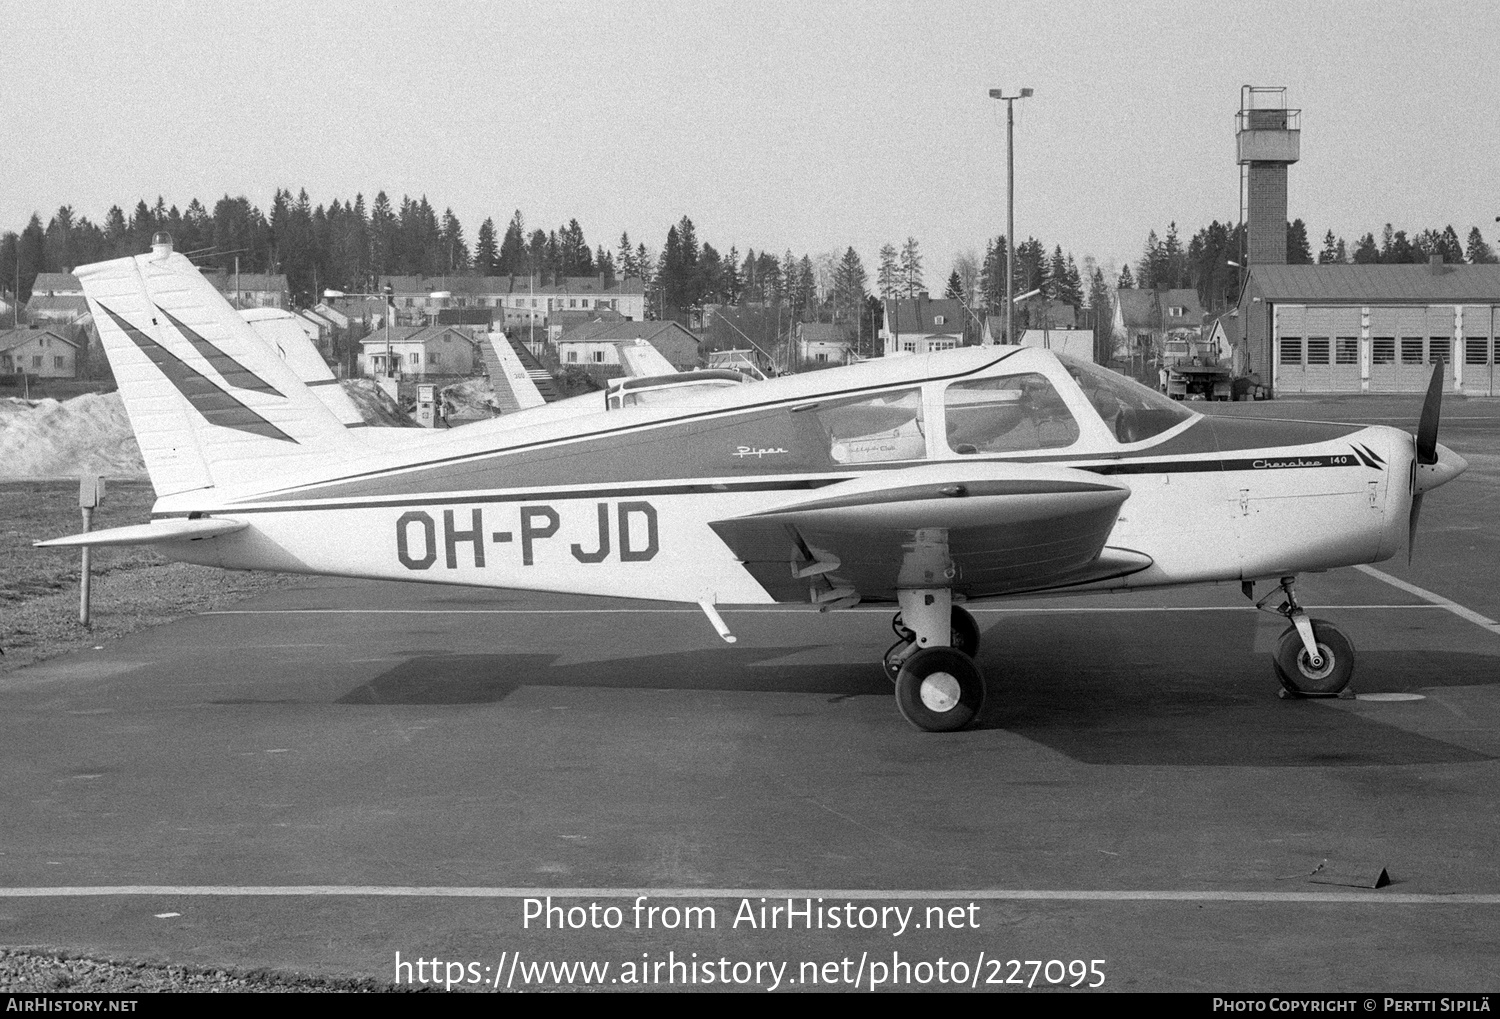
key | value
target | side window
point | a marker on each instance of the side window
(1007, 415)
(874, 428)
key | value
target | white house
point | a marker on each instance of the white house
(419, 351)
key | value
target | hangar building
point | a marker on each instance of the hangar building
(1372, 328)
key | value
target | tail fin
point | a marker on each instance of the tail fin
(280, 331)
(210, 403)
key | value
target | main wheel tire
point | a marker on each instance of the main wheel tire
(965, 636)
(939, 689)
(1296, 673)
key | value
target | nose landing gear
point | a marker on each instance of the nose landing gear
(1313, 658)
(939, 688)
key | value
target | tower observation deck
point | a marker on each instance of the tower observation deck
(1268, 139)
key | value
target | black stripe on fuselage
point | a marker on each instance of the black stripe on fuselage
(535, 494)
(1255, 465)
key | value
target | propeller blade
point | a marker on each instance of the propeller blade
(1427, 427)
(1411, 526)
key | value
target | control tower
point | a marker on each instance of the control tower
(1268, 139)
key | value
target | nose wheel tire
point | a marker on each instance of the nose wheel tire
(939, 689)
(1300, 676)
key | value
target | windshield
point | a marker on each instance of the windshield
(1131, 411)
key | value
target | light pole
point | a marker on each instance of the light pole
(1010, 202)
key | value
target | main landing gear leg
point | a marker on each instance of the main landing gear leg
(938, 686)
(1313, 658)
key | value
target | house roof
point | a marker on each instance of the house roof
(919, 315)
(824, 332)
(413, 334)
(1230, 322)
(1383, 284)
(227, 282)
(1138, 308)
(504, 285)
(57, 283)
(1185, 298)
(70, 303)
(601, 331)
(10, 338)
(1059, 313)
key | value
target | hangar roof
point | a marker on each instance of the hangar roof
(1378, 284)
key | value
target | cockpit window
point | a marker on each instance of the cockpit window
(1007, 415)
(1130, 410)
(872, 429)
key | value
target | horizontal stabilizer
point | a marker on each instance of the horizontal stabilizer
(157, 532)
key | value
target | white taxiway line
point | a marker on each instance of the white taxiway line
(747, 610)
(1435, 599)
(855, 894)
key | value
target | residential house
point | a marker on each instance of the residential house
(57, 284)
(517, 300)
(39, 352)
(1145, 321)
(826, 343)
(64, 309)
(251, 289)
(921, 325)
(419, 351)
(599, 343)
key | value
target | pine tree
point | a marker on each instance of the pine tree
(889, 277)
(625, 257)
(1125, 282)
(487, 249)
(849, 286)
(1478, 252)
(1329, 251)
(729, 274)
(910, 273)
(512, 260)
(1298, 250)
(1100, 309)
(955, 291)
(383, 239)
(1365, 251)
(451, 244)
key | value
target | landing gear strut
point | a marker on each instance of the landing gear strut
(939, 688)
(1313, 658)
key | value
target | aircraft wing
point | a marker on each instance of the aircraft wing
(512, 383)
(981, 529)
(642, 360)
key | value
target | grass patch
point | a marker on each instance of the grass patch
(133, 587)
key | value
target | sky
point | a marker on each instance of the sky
(811, 126)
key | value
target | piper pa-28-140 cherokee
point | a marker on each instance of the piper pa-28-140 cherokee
(923, 481)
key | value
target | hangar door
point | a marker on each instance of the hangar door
(1479, 376)
(1317, 350)
(1404, 345)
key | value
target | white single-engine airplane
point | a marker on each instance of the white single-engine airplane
(920, 481)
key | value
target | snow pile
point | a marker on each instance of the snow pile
(471, 398)
(88, 434)
(375, 404)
